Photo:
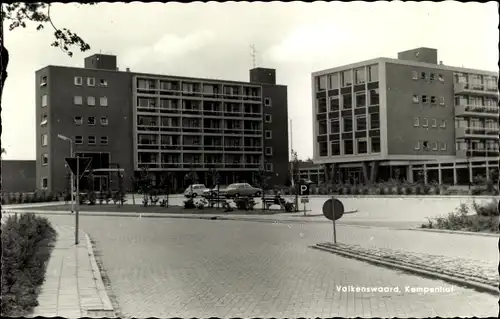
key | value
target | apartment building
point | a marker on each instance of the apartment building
(128, 121)
(410, 118)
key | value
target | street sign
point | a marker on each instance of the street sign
(338, 208)
(304, 200)
(78, 163)
(304, 189)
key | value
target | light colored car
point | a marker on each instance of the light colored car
(213, 191)
(195, 190)
(242, 189)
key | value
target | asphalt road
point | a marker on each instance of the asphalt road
(199, 268)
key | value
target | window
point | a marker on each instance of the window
(414, 75)
(269, 151)
(435, 146)
(78, 120)
(348, 147)
(433, 76)
(269, 135)
(103, 101)
(362, 146)
(78, 140)
(359, 75)
(44, 100)
(45, 183)
(346, 78)
(374, 121)
(347, 127)
(45, 139)
(104, 120)
(43, 80)
(91, 81)
(269, 167)
(373, 73)
(91, 140)
(78, 100)
(374, 97)
(45, 119)
(443, 124)
(347, 101)
(78, 80)
(415, 98)
(425, 122)
(91, 120)
(433, 100)
(434, 122)
(441, 100)
(425, 145)
(103, 83)
(104, 140)
(334, 103)
(267, 101)
(335, 148)
(90, 100)
(334, 81)
(321, 83)
(360, 99)
(443, 146)
(334, 126)
(425, 99)
(416, 122)
(375, 145)
(268, 118)
(441, 78)
(323, 149)
(361, 123)
(423, 75)
(417, 147)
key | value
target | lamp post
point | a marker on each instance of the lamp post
(64, 138)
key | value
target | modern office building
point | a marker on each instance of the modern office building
(410, 118)
(167, 124)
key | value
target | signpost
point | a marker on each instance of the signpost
(304, 191)
(78, 166)
(304, 200)
(333, 209)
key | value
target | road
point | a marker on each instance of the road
(200, 268)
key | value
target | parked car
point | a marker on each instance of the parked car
(195, 190)
(242, 189)
(213, 191)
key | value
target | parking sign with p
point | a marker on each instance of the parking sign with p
(304, 189)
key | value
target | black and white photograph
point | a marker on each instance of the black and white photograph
(250, 159)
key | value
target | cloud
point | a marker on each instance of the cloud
(169, 46)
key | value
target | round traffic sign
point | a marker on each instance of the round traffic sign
(337, 206)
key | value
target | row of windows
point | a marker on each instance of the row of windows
(91, 140)
(427, 76)
(347, 78)
(426, 145)
(91, 120)
(90, 82)
(477, 81)
(103, 100)
(424, 122)
(345, 101)
(426, 99)
(467, 100)
(348, 125)
(350, 147)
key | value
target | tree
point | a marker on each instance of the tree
(19, 14)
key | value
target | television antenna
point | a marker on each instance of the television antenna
(253, 54)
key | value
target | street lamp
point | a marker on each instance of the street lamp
(65, 138)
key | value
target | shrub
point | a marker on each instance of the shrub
(189, 204)
(245, 203)
(489, 209)
(26, 245)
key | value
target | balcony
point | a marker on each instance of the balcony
(148, 146)
(171, 147)
(252, 149)
(149, 165)
(170, 165)
(477, 111)
(192, 147)
(477, 153)
(475, 89)
(476, 133)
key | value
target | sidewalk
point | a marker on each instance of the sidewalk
(73, 286)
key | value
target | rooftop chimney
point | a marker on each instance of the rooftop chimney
(441, 62)
(128, 69)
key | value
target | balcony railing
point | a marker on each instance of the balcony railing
(212, 147)
(171, 165)
(148, 146)
(476, 111)
(477, 153)
(475, 89)
(175, 147)
(477, 132)
(213, 130)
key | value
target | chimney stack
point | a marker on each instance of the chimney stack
(128, 69)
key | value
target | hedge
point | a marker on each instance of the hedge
(27, 242)
(36, 197)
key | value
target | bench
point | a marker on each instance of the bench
(278, 200)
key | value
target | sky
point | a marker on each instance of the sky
(212, 40)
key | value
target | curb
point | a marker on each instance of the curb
(456, 232)
(107, 310)
(414, 270)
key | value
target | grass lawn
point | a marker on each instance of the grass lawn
(472, 223)
(129, 208)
